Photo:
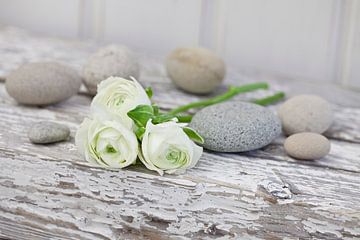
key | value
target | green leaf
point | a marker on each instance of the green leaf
(193, 135)
(140, 132)
(149, 92)
(162, 118)
(141, 115)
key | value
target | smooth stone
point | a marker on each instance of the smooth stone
(307, 146)
(195, 70)
(236, 126)
(48, 132)
(305, 113)
(112, 60)
(42, 83)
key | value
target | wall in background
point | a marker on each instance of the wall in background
(316, 40)
(48, 16)
(349, 73)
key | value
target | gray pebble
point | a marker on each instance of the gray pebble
(236, 126)
(307, 146)
(112, 60)
(48, 132)
(42, 83)
(305, 113)
(195, 70)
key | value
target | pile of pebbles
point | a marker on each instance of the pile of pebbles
(304, 118)
(239, 126)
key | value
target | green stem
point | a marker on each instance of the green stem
(184, 118)
(269, 100)
(233, 91)
(262, 101)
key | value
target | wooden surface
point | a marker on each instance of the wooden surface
(49, 191)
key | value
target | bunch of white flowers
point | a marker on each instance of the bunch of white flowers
(125, 126)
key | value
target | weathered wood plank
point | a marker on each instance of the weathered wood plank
(262, 194)
(74, 110)
(82, 201)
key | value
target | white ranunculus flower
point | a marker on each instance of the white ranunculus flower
(107, 143)
(116, 96)
(166, 148)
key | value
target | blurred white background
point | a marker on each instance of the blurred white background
(316, 40)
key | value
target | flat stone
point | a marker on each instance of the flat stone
(48, 132)
(307, 146)
(42, 83)
(236, 126)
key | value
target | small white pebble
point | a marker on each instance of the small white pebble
(195, 70)
(305, 113)
(307, 146)
(112, 60)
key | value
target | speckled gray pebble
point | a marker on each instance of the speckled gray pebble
(42, 83)
(48, 132)
(236, 126)
(307, 146)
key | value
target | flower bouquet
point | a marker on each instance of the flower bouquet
(126, 126)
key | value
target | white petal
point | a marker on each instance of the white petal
(81, 136)
(148, 164)
(110, 91)
(196, 155)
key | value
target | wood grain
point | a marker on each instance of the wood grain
(53, 192)
(50, 192)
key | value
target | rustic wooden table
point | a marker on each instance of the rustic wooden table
(50, 192)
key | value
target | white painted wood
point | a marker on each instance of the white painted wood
(349, 73)
(213, 24)
(51, 17)
(87, 13)
(295, 38)
(154, 27)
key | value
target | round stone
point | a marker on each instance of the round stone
(236, 126)
(195, 70)
(305, 113)
(42, 83)
(48, 132)
(307, 146)
(113, 60)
